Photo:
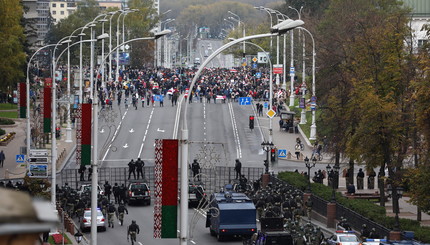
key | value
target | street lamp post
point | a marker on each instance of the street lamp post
(281, 28)
(396, 193)
(244, 31)
(310, 165)
(267, 147)
(28, 140)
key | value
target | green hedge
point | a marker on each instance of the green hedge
(6, 121)
(364, 207)
(2, 132)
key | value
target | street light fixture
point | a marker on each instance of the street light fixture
(310, 165)
(267, 147)
(78, 236)
(396, 193)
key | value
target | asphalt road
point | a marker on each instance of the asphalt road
(221, 128)
(206, 47)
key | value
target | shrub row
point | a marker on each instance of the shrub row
(6, 121)
(366, 208)
(2, 132)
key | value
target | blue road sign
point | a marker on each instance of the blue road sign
(244, 100)
(20, 158)
(254, 65)
(266, 104)
(282, 153)
(258, 75)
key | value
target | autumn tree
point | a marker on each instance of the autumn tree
(12, 38)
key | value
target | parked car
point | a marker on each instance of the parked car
(344, 238)
(138, 192)
(87, 188)
(86, 220)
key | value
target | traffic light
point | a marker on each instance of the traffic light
(273, 155)
(251, 122)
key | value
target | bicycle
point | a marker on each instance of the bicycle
(318, 156)
(300, 146)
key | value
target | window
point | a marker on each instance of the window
(62, 12)
(54, 12)
(422, 42)
(54, 5)
(62, 5)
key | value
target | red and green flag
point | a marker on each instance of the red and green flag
(86, 134)
(47, 106)
(22, 100)
(166, 189)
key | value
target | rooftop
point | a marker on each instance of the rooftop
(420, 8)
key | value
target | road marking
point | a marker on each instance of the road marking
(126, 145)
(140, 243)
(146, 133)
(114, 135)
(193, 242)
(160, 130)
(235, 131)
(177, 118)
(102, 131)
(131, 131)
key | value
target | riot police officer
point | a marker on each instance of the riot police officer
(132, 230)
(111, 213)
(120, 212)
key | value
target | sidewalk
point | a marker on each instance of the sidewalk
(287, 141)
(12, 169)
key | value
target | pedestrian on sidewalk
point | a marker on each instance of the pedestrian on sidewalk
(360, 178)
(2, 158)
(371, 180)
(297, 151)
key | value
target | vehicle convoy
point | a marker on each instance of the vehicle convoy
(196, 193)
(138, 192)
(231, 214)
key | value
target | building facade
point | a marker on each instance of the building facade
(420, 17)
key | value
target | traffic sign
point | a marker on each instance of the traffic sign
(244, 100)
(38, 152)
(266, 104)
(20, 158)
(258, 75)
(278, 69)
(38, 160)
(262, 57)
(313, 99)
(254, 59)
(38, 170)
(282, 153)
(292, 70)
(271, 113)
(254, 65)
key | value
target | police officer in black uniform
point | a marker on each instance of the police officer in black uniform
(139, 166)
(131, 169)
(108, 190)
(116, 190)
(195, 167)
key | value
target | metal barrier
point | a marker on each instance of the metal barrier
(212, 179)
(356, 220)
(319, 205)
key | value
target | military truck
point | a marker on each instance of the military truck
(231, 214)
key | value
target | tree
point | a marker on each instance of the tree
(373, 61)
(139, 24)
(12, 38)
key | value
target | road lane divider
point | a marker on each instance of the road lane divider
(235, 131)
(146, 133)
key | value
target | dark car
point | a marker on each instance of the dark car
(195, 194)
(138, 192)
